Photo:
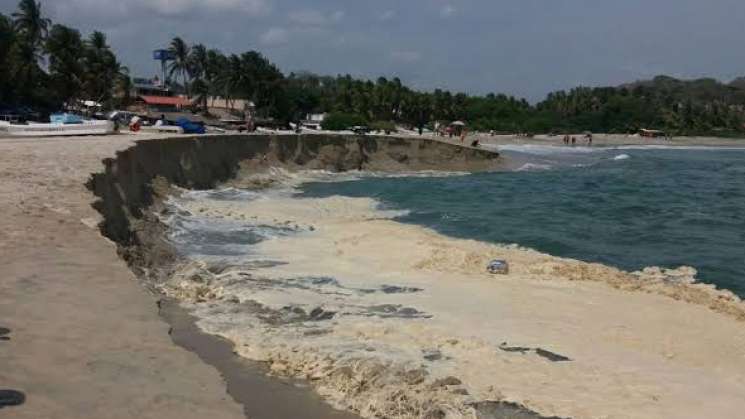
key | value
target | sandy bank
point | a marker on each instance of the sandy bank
(85, 339)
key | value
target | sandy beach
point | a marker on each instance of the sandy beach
(607, 140)
(86, 340)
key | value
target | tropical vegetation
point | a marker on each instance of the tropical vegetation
(45, 65)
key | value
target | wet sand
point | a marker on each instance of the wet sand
(262, 396)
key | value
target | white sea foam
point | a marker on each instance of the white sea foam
(622, 157)
(546, 150)
(530, 167)
(549, 150)
(283, 181)
(324, 314)
(675, 147)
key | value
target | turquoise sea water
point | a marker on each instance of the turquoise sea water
(628, 208)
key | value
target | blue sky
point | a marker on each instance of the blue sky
(521, 47)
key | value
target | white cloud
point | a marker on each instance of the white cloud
(123, 9)
(447, 11)
(275, 36)
(250, 7)
(315, 18)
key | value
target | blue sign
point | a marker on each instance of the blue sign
(163, 55)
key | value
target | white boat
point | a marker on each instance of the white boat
(170, 129)
(33, 129)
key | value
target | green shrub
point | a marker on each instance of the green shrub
(387, 126)
(337, 121)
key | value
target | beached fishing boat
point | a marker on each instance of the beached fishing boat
(56, 129)
(169, 129)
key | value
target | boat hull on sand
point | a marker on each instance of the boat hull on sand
(170, 129)
(57, 130)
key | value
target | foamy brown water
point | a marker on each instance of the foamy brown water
(395, 320)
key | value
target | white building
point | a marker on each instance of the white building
(314, 120)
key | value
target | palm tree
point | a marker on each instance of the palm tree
(232, 78)
(7, 39)
(199, 63)
(181, 63)
(30, 30)
(7, 36)
(102, 68)
(66, 61)
(200, 91)
(123, 84)
(215, 65)
(30, 24)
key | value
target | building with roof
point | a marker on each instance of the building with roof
(149, 87)
(314, 120)
(154, 105)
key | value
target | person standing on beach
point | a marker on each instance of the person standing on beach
(574, 141)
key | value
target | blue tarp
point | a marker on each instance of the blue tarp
(65, 118)
(190, 127)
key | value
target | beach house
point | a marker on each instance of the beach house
(314, 120)
(151, 98)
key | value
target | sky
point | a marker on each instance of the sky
(525, 48)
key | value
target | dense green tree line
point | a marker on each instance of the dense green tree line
(44, 65)
(208, 73)
(703, 106)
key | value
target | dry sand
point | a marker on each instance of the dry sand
(86, 340)
(606, 140)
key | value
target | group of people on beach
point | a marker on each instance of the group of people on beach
(573, 140)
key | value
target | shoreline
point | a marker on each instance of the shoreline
(553, 300)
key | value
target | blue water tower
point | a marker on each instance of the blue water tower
(164, 56)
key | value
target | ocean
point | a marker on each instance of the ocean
(631, 207)
(374, 288)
